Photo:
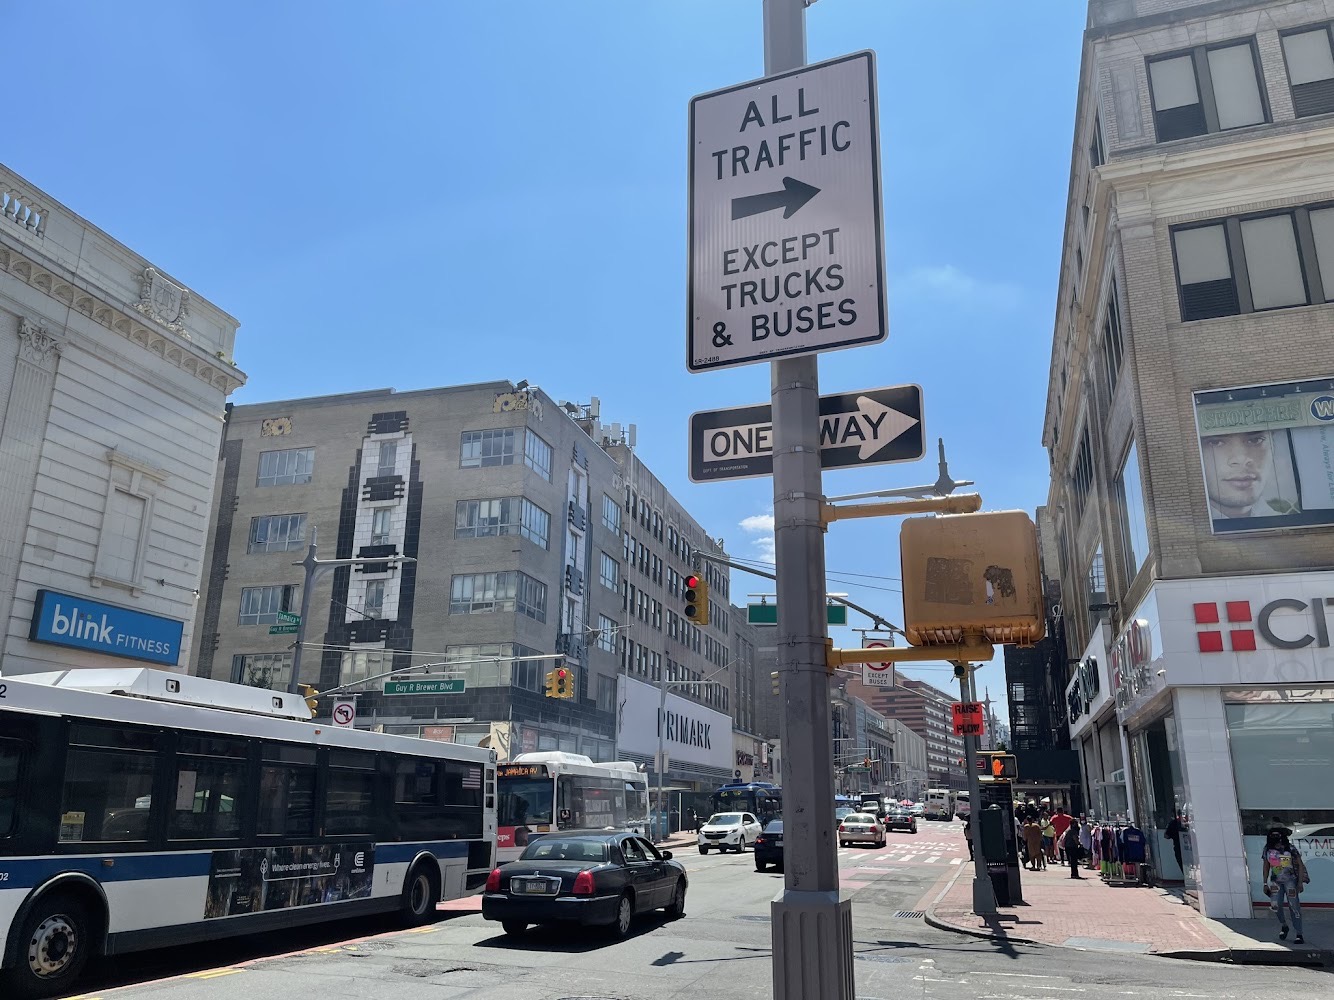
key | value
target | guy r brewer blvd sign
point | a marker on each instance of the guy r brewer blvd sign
(786, 232)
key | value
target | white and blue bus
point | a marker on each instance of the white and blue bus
(141, 809)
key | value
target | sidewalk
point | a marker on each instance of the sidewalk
(1092, 915)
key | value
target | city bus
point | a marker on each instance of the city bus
(939, 804)
(141, 809)
(539, 793)
(962, 805)
(760, 798)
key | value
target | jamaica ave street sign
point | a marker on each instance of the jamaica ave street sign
(872, 427)
(786, 231)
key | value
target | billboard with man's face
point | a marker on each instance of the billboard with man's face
(1268, 454)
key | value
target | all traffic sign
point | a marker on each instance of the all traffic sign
(786, 230)
(871, 427)
(877, 674)
(968, 719)
(344, 713)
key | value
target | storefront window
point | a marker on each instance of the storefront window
(1282, 757)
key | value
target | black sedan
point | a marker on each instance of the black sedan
(585, 878)
(769, 846)
(901, 821)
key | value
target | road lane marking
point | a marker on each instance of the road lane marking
(956, 861)
(213, 973)
(933, 859)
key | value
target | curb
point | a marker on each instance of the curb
(1310, 957)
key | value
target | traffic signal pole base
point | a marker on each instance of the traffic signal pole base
(812, 946)
(984, 896)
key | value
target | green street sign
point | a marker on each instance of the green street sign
(288, 618)
(767, 614)
(452, 685)
(283, 629)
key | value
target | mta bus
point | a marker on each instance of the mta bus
(540, 793)
(759, 798)
(142, 809)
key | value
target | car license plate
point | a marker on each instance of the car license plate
(534, 885)
(778, 842)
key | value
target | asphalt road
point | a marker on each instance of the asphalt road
(719, 951)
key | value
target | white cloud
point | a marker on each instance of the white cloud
(947, 282)
(761, 526)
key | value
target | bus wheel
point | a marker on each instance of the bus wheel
(55, 943)
(421, 891)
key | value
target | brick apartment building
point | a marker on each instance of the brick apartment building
(925, 710)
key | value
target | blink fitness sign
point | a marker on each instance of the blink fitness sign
(65, 620)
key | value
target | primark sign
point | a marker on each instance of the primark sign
(79, 623)
(690, 731)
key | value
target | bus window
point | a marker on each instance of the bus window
(349, 801)
(286, 800)
(10, 755)
(107, 796)
(207, 789)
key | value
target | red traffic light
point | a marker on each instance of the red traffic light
(692, 582)
(561, 673)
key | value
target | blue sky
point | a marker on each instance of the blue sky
(413, 194)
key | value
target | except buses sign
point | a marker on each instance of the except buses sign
(786, 232)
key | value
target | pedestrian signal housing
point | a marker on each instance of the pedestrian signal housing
(971, 576)
(697, 599)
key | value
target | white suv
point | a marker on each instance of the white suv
(734, 831)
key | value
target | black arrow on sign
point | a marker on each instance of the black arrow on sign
(790, 199)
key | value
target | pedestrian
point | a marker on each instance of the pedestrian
(1086, 839)
(1019, 838)
(696, 820)
(1173, 833)
(1284, 876)
(1060, 823)
(1049, 838)
(968, 835)
(1037, 860)
(1071, 846)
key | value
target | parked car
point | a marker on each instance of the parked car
(729, 831)
(585, 878)
(769, 846)
(861, 828)
(901, 820)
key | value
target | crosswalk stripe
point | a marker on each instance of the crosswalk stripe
(956, 861)
(933, 859)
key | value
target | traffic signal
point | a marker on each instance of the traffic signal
(999, 766)
(311, 695)
(564, 683)
(778, 687)
(550, 684)
(697, 600)
(960, 671)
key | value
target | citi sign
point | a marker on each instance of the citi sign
(66, 620)
(1308, 626)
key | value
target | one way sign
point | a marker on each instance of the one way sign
(871, 427)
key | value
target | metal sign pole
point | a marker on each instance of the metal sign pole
(811, 924)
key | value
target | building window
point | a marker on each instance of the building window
(262, 670)
(291, 467)
(1205, 90)
(1081, 476)
(123, 539)
(483, 593)
(606, 694)
(1134, 523)
(482, 449)
(611, 515)
(537, 455)
(1322, 237)
(388, 458)
(359, 664)
(1113, 345)
(609, 571)
(260, 605)
(373, 605)
(1275, 269)
(1097, 149)
(536, 525)
(606, 634)
(1204, 273)
(1310, 71)
(380, 525)
(277, 533)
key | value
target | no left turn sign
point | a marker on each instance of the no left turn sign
(344, 714)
